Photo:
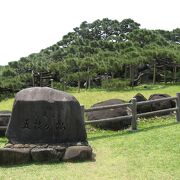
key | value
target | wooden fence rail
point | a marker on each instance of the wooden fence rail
(133, 106)
(5, 114)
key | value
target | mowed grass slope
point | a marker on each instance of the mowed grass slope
(92, 96)
(153, 152)
(88, 98)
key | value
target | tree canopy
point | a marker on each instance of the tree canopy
(103, 48)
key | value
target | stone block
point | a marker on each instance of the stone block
(10, 156)
(78, 153)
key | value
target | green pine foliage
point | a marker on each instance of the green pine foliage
(104, 47)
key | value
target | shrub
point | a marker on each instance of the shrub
(60, 86)
(115, 84)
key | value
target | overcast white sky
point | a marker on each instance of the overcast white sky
(27, 26)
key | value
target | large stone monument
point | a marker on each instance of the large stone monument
(45, 125)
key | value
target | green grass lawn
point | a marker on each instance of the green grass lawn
(153, 152)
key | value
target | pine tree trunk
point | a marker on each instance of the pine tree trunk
(79, 83)
(64, 82)
(63, 86)
(89, 82)
(86, 84)
(125, 72)
(165, 75)
(132, 68)
(175, 75)
(154, 73)
(88, 79)
(112, 75)
(33, 78)
(40, 80)
(130, 71)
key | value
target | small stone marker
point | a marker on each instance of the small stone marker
(4, 119)
(45, 123)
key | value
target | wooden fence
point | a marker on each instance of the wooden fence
(133, 106)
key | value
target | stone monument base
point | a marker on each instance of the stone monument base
(25, 153)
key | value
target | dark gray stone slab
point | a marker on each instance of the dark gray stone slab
(10, 156)
(78, 153)
(4, 119)
(142, 108)
(46, 154)
(161, 105)
(45, 115)
(110, 113)
(18, 154)
(3, 122)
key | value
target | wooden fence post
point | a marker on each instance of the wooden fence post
(178, 106)
(82, 112)
(134, 114)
